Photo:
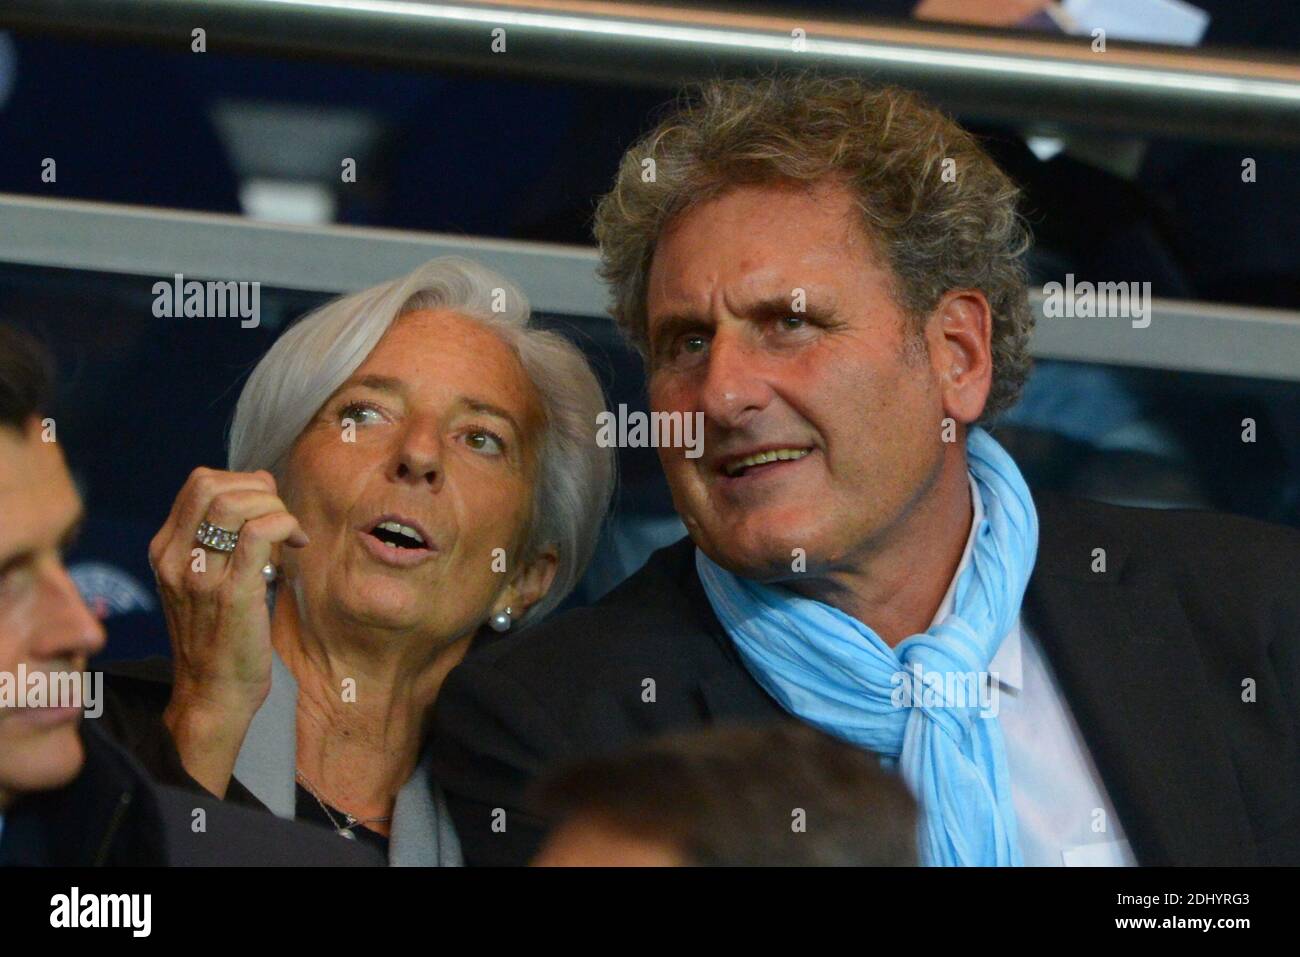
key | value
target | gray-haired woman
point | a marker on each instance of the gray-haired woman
(408, 464)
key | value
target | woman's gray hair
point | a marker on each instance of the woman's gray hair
(320, 351)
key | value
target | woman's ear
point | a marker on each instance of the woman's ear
(531, 582)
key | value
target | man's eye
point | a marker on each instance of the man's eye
(485, 441)
(693, 344)
(792, 322)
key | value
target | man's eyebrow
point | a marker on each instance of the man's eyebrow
(783, 304)
(15, 559)
(768, 307)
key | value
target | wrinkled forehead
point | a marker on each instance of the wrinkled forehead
(753, 243)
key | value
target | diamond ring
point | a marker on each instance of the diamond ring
(216, 538)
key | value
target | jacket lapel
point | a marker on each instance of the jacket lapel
(729, 692)
(1123, 654)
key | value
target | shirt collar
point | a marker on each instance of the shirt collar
(1006, 662)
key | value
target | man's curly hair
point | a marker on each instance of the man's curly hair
(939, 225)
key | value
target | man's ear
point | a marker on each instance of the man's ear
(531, 582)
(959, 335)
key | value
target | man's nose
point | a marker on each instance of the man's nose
(66, 627)
(735, 385)
(419, 456)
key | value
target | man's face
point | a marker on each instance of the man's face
(44, 624)
(770, 313)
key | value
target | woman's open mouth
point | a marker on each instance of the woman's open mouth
(397, 543)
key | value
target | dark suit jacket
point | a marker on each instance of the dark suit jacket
(136, 695)
(113, 815)
(1153, 655)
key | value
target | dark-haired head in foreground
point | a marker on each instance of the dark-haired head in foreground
(782, 794)
(25, 377)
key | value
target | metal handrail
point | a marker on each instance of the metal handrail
(559, 280)
(978, 73)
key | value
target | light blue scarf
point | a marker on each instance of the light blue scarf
(834, 672)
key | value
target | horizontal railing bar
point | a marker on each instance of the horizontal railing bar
(1030, 77)
(559, 280)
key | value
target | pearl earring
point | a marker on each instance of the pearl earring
(502, 620)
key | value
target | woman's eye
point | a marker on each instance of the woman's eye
(481, 440)
(360, 413)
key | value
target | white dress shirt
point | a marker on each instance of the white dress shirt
(1063, 814)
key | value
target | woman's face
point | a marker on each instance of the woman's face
(437, 432)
